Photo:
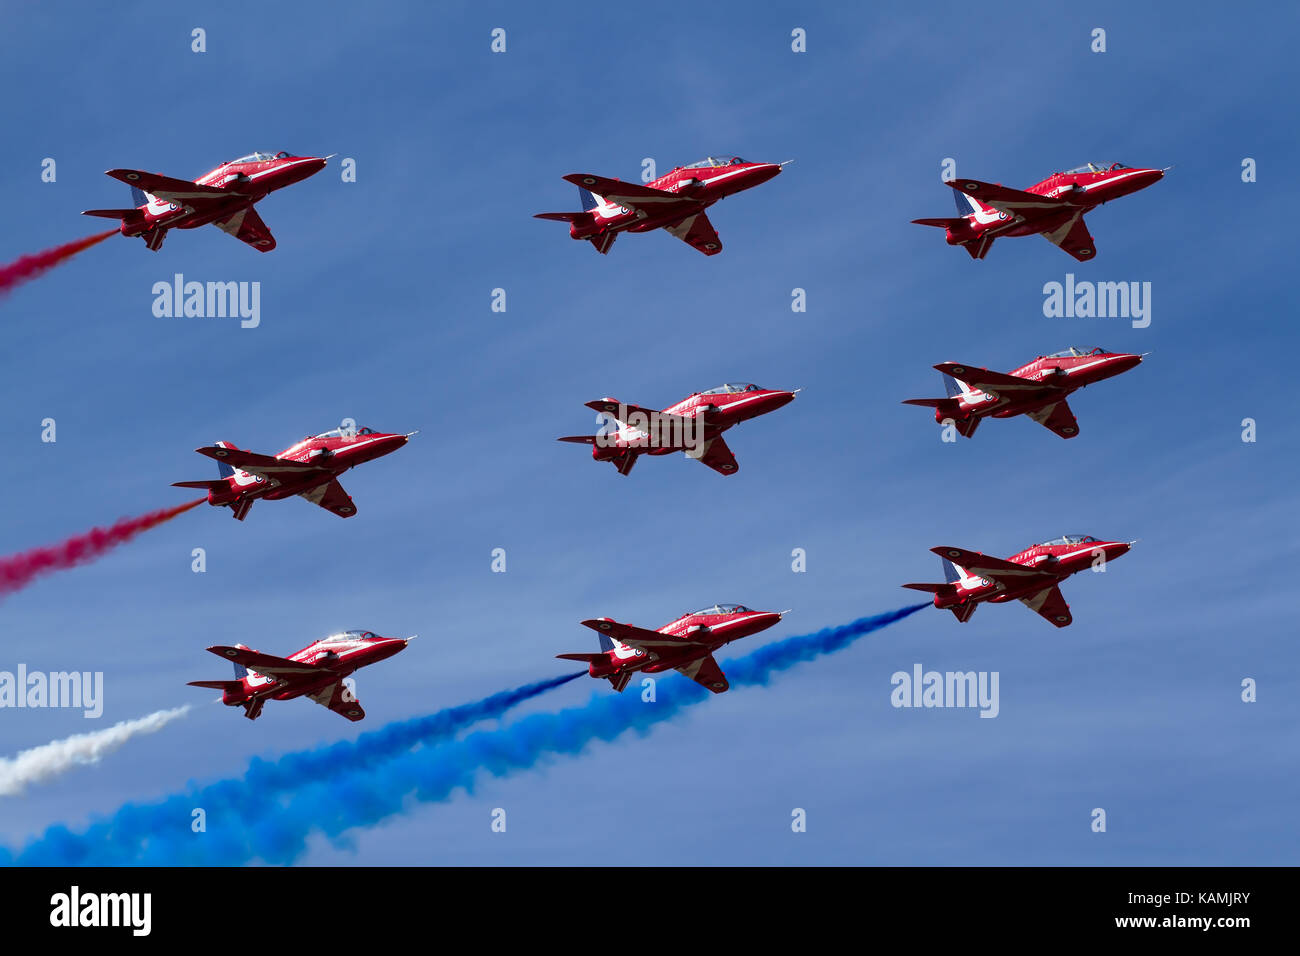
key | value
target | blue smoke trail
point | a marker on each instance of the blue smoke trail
(343, 797)
(255, 792)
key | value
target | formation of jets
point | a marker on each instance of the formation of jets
(1053, 208)
(676, 202)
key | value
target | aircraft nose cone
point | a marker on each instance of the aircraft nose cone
(1115, 549)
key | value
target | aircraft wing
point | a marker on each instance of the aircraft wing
(990, 567)
(1057, 417)
(331, 497)
(1050, 604)
(995, 383)
(696, 230)
(247, 226)
(340, 699)
(1013, 202)
(706, 673)
(272, 469)
(632, 195)
(268, 664)
(165, 187)
(1074, 238)
(663, 420)
(717, 456)
(637, 637)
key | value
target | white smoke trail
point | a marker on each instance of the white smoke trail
(59, 756)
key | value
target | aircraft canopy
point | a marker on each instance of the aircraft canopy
(723, 609)
(1072, 539)
(1095, 168)
(731, 389)
(1076, 353)
(340, 433)
(355, 635)
(710, 162)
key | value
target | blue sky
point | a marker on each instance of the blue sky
(376, 306)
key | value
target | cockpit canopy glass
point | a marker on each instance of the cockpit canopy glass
(1072, 539)
(1095, 168)
(722, 609)
(341, 433)
(712, 161)
(343, 636)
(255, 158)
(731, 389)
(1076, 353)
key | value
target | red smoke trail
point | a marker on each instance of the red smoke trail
(20, 570)
(29, 267)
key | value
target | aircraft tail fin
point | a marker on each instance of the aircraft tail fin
(139, 197)
(589, 199)
(950, 573)
(966, 206)
(223, 469)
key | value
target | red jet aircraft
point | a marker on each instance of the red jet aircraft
(310, 468)
(224, 197)
(675, 201)
(1055, 207)
(694, 426)
(686, 645)
(1032, 577)
(1038, 389)
(317, 671)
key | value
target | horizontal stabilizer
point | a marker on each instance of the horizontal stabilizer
(214, 484)
(941, 223)
(933, 588)
(585, 658)
(579, 439)
(564, 216)
(115, 213)
(221, 685)
(932, 402)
